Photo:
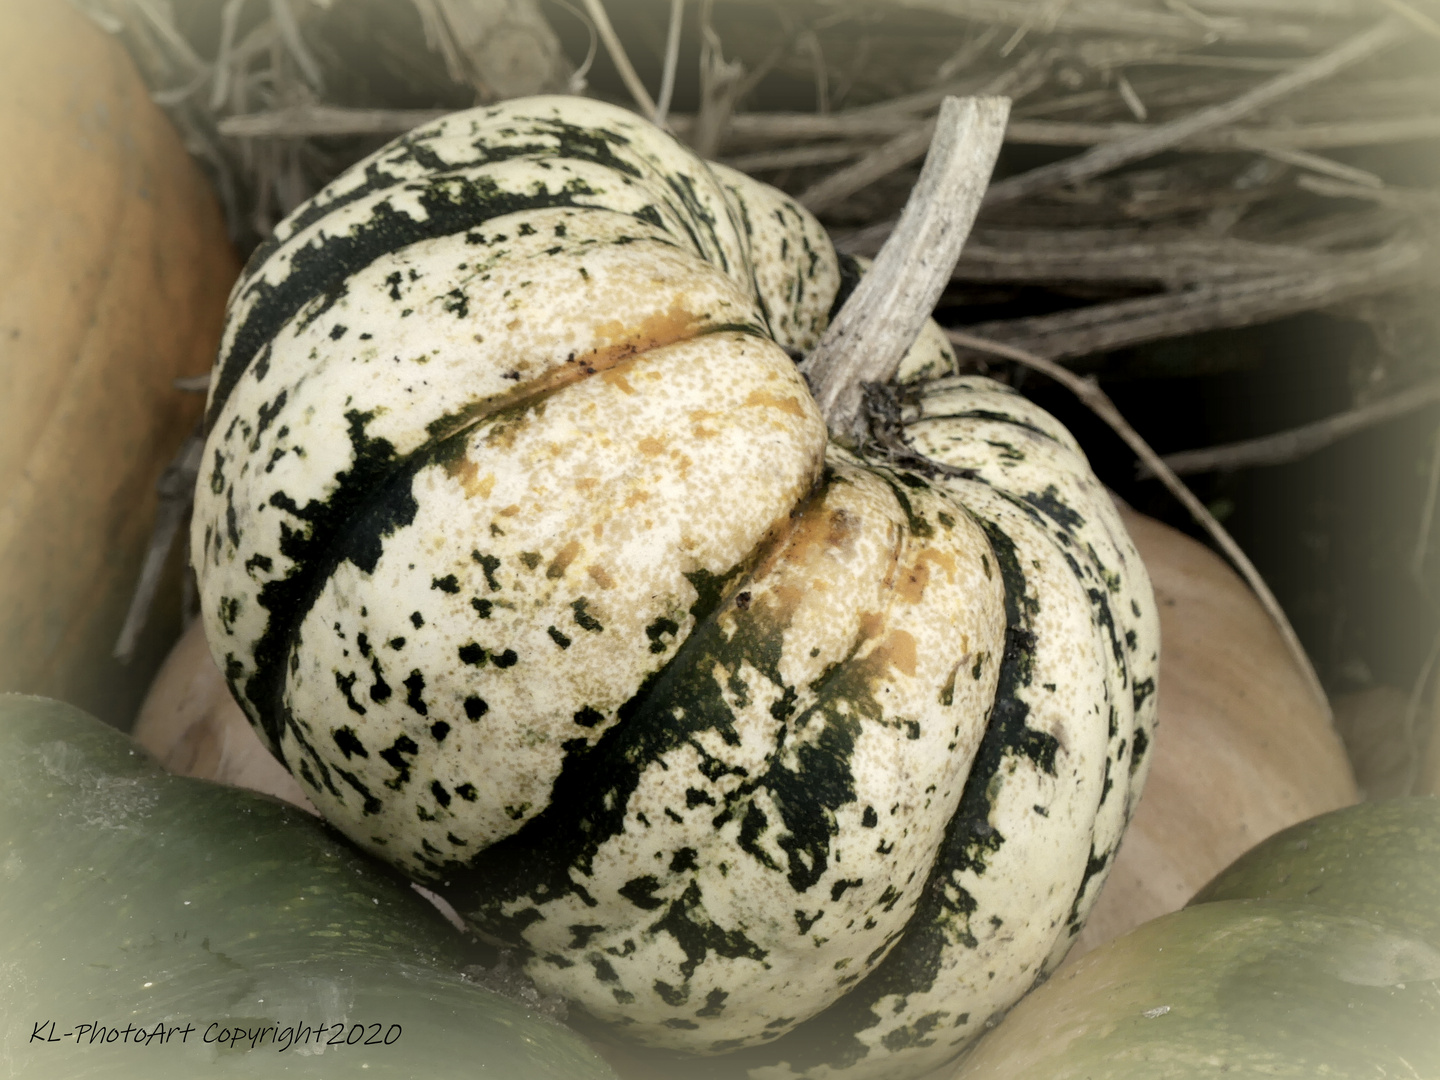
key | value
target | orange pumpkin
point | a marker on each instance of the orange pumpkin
(114, 270)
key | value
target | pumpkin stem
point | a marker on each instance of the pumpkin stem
(876, 327)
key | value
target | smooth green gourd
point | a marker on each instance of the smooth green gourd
(137, 903)
(1315, 954)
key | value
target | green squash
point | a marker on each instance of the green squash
(1379, 861)
(137, 905)
(1315, 954)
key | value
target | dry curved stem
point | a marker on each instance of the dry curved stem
(866, 341)
(672, 61)
(596, 10)
(1098, 402)
(1300, 441)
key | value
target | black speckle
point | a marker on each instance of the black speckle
(869, 819)
(414, 684)
(557, 637)
(337, 332)
(349, 743)
(482, 607)
(475, 707)
(530, 559)
(684, 860)
(588, 717)
(638, 891)
(488, 565)
(471, 653)
(346, 683)
(695, 797)
(504, 659)
(397, 643)
(416, 620)
(585, 620)
(742, 601)
(805, 921)
(393, 757)
(838, 889)
(441, 795)
(581, 933)
(380, 689)
(448, 584)
(467, 792)
(439, 730)
(658, 631)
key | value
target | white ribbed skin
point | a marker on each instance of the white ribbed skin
(520, 542)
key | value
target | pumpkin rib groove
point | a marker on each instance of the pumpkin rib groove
(614, 752)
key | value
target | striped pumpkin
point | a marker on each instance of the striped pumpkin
(521, 544)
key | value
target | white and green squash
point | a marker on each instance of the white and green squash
(522, 544)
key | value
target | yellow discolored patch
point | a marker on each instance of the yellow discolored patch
(899, 652)
(464, 469)
(601, 576)
(651, 446)
(563, 558)
(616, 378)
(511, 510)
(623, 340)
(911, 582)
(765, 399)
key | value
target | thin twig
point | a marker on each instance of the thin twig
(880, 162)
(1212, 306)
(866, 341)
(290, 34)
(317, 120)
(720, 83)
(905, 147)
(1095, 399)
(1111, 256)
(1299, 442)
(175, 488)
(672, 62)
(1400, 198)
(1110, 156)
(620, 58)
(1303, 159)
(229, 20)
(797, 156)
(1320, 136)
(1405, 11)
